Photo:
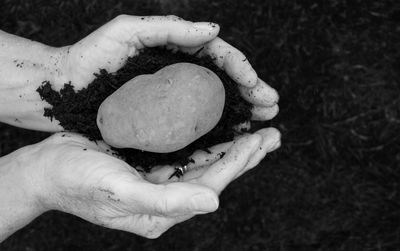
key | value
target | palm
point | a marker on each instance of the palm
(100, 188)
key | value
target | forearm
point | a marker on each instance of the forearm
(24, 65)
(18, 203)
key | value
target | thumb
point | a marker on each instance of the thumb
(162, 30)
(173, 199)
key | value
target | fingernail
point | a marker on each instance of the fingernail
(205, 26)
(203, 203)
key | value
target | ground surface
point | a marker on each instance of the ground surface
(334, 184)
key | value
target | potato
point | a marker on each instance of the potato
(162, 112)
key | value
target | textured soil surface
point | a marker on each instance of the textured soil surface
(77, 111)
(335, 182)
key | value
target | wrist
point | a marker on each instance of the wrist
(19, 193)
(29, 60)
(25, 65)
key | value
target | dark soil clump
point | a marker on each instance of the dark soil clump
(77, 111)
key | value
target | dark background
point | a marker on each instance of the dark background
(334, 184)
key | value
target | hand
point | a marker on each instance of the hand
(123, 37)
(81, 177)
(26, 64)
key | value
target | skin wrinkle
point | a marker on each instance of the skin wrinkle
(98, 209)
(141, 221)
(161, 206)
(102, 211)
(67, 192)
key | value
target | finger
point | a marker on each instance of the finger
(200, 161)
(169, 200)
(271, 141)
(219, 175)
(215, 153)
(264, 113)
(150, 31)
(260, 95)
(200, 158)
(229, 59)
(200, 167)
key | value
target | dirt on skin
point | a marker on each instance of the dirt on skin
(77, 111)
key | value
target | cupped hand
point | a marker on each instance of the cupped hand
(81, 177)
(109, 47)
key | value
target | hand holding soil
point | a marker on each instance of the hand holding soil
(111, 45)
(71, 173)
(76, 105)
(108, 48)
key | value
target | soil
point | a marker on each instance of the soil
(77, 110)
